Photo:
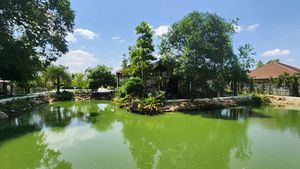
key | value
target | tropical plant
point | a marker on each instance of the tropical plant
(58, 75)
(283, 80)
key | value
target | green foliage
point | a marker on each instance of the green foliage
(32, 33)
(63, 96)
(18, 62)
(141, 53)
(238, 66)
(58, 76)
(200, 49)
(273, 61)
(99, 76)
(259, 64)
(283, 80)
(152, 103)
(80, 81)
(132, 87)
(257, 100)
(295, 86)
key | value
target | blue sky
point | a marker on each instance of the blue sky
(104, 29)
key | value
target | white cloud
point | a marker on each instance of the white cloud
(276, 52)
(163, 29)
(249, 28)
(252, 28)
(70, 37)
(86, 33)
(237, 29)
(116, 38)
(77, 60)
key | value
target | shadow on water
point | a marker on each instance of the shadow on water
(19, 126)
(237, 113)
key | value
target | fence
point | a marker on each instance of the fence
(281, 92)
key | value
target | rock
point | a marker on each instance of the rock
(34, 102)
(3, 115)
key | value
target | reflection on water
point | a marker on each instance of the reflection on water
(237, 113)
(93, 134)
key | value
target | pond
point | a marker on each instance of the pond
(97, 135)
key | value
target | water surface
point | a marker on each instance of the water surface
(97, 135)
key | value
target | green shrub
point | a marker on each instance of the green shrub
(260, 99)
(152, 103)
(63, 96)
(257, 100)
(158, 96)
(133, 87)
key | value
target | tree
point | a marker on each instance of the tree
(295, 86)
(201, 43)
(273, 61)
(141, 53)
(239, 66)
(58, 75)
(259, 64)
(99, 76)
(283, 80)
(124, 62)
(80, 81)
(32, 34)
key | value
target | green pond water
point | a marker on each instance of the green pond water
(97, 135)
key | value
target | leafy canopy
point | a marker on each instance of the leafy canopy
(99, 76)
(201, 43)
(32, 33)
(141, 53)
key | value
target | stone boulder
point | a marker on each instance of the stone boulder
(3, 115)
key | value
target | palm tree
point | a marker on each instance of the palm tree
(57, 75)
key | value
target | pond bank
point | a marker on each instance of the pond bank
(15, 106)
(207, 103)
(282, 100)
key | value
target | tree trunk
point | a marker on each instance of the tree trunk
(57, 85)
(235, 88)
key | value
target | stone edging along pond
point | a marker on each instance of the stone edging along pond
(13, 106)
(207, 103)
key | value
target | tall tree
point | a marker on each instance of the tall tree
(99, 76)
(141, 53)
(58, 75)
(32, 33)
(202, 44)
(239, 65)
(259, 64)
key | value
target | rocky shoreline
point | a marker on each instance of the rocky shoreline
(16, 107)
(204, 104)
